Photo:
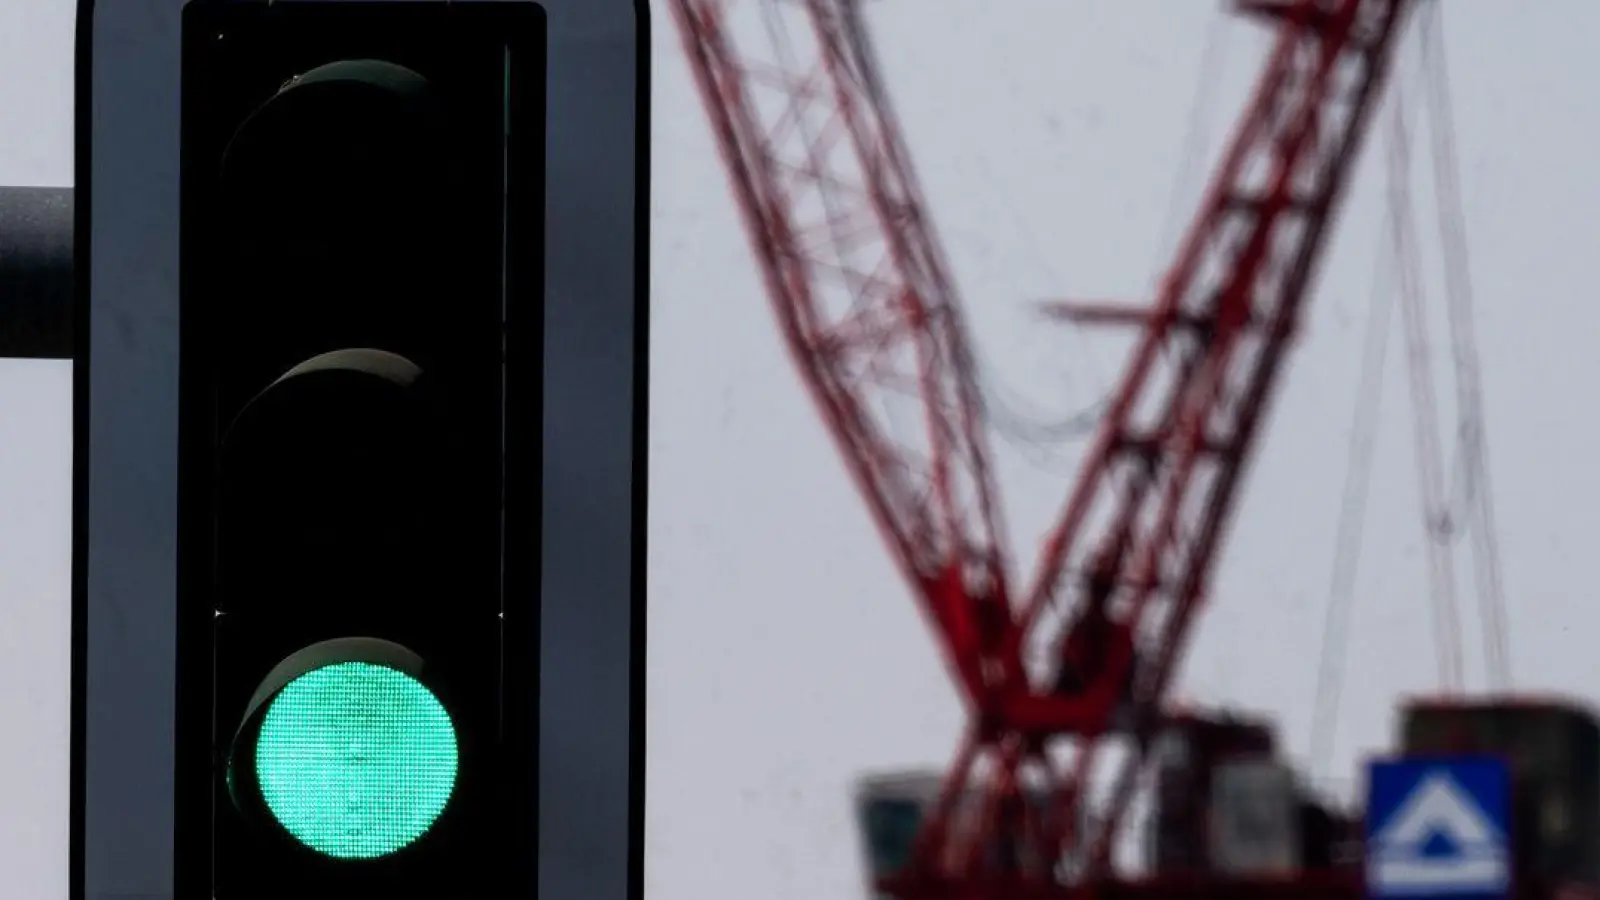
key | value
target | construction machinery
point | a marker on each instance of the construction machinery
(1066, 675)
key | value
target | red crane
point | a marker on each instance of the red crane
(862, 291)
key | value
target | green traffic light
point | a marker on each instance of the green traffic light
(356, 760)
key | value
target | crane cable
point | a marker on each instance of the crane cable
(1475, 495)
(1352, 508)
(1032, 434)
(1425, 416)
(1470, 509)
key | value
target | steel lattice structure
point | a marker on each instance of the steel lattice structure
(863, 293)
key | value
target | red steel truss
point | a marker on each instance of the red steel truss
(869, 311)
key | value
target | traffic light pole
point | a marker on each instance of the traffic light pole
(36, 272)
(360, 342)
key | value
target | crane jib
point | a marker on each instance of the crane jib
(862, 290)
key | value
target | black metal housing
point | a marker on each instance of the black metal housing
(361, 305)
(36, 272)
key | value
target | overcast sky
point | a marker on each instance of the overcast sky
(785, 656)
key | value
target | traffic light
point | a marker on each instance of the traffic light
(361, 297)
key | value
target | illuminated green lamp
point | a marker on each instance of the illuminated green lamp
(350, 752)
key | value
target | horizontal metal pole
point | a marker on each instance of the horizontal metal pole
(36, 272)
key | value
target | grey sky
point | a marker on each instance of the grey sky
(785, 654)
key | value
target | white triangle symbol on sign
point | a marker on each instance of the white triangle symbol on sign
(1438, 806)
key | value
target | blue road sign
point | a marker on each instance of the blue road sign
(1438, 828)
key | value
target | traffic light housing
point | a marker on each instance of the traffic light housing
(361, 296)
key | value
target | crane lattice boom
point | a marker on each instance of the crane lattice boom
(862, 291)
(860, 287)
